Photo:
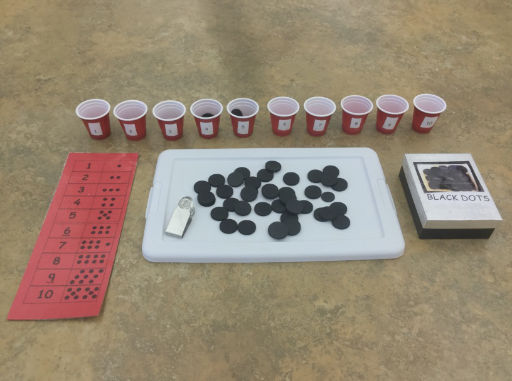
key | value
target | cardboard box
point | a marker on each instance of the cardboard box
(447, 196)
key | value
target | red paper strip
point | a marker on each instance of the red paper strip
(68, 273)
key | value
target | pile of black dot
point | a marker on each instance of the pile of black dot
(452, 177)
(282, 200)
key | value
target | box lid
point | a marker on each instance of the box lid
(449, 192)
(374, 231)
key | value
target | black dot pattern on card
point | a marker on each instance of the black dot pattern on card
(71, 264)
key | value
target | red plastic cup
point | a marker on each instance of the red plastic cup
(169, 115)
(243, 125)
(132, 117)
(355, 110)
(390, 109)
(427, 108)
(207, 126)
(318, 114)
(282, 114)
(94, 115)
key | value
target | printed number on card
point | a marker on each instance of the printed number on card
(319, 125)
(428, 121)
(95, 129)
(130, 129)
(243, 127)
(355, 122)
(207, 128)
(171, 129)
(389, 123)
(284, 124)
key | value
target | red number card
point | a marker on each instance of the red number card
(68, 273)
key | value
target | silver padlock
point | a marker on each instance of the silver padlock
(181, 217)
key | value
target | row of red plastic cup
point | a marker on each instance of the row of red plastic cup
(170, 114)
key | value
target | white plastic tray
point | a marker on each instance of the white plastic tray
(374, 232)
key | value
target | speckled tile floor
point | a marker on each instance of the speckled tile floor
(441, 312)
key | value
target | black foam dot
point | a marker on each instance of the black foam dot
(246, 227)
(327, 196)
(207, 115)
(291, 178)
(273, 166)
(265, 175)
(328, 181)
(230, 203)
(237, 112)
(341, 222)
(219, 213)
(294, 206)
(249, 193)
(224, 191)
(286, 194)
(313, 192)
(216, 180)
(319, 216)
(315, 175)
(206, 199)
(338, 208)
(242, 208)
(228, 226)
(253, 181)
(278, 230)
(340, 185)
(269, 191)
(327, 213)
(243, 171)
(202, 186)
(278, 206)
(262, 208)
(307, 207)
(288, 216)
(235, 179)
(293, 227)
(331, 171)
